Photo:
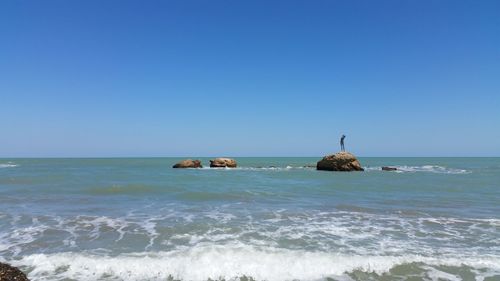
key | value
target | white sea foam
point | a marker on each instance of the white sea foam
(232, 261)
(222, 243)
(8, 165)
(342, 232)
(259, 168)
(14, 240)
(425, 168)
(436, 169)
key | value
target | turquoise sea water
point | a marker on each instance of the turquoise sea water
(270, 219)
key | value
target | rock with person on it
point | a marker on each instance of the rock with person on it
(223, 163)
(188, 163)
(341, 161)
(389, 169)
(10, 273)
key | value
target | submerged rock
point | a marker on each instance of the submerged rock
(223, 163)
(341, 161)
(389, 169)
(10, 273)
(188, 163)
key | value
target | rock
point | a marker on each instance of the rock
(188, 163)
(223, 163)
(389, 169)
(341, 161)
(10, 273)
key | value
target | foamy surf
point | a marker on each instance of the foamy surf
(435, 169)
(424, 168)
(8, 165)
(231, 262)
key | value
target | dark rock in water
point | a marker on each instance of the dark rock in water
(389, 169)
(223, 163)
(189, 163)
(10, 273)
(341, 161)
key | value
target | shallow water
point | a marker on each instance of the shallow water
(271, 219)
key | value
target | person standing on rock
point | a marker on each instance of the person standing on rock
(342, 148)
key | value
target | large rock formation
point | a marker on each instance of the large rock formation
(341, 161)
(188, 163)
(223, 163)
(10, 273)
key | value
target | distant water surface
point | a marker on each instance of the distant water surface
(270, 219)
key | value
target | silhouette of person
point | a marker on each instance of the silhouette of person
(342, 148)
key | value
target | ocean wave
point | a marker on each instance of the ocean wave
(230, 262)
(436, 169)
(8, 165)
(272, 245)
(424, 168)
(259, 168)
(173, 229)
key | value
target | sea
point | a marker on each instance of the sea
(269, 219)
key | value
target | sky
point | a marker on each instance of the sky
(119, 78)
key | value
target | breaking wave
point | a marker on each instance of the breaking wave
(8, 165)
(425, 168)
(232, 262)
(260, 168)
(436, 169)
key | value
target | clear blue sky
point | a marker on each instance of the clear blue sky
(249, 78)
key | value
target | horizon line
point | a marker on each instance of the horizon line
(194, 157)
